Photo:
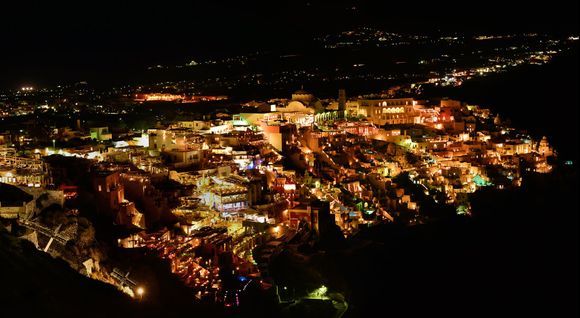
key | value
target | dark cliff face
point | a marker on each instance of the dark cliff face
(517, 254)
(34, 283)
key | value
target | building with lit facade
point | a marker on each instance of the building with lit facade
(110, 194)
(101, 133)
(280, 136)
(22, 171)
(225, 197)
(158, 97)
(385, 111)
(544, 147)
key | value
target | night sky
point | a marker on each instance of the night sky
(43, 42)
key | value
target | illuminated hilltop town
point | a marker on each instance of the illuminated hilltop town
(218, 198)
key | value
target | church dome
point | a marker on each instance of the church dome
(302, 96)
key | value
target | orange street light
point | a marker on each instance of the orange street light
(140, 292)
